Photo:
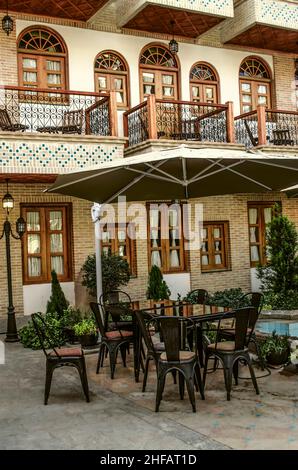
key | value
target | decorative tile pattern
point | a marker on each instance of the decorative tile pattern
(279, 13)
(32, 157)
(128, 8)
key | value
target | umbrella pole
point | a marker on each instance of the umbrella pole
(95, 211)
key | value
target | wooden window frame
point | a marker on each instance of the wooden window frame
(114, 243)
(112, 74)
(41, 57)
(164, 248)
(45, 253)
(159, 71)
(259, 205)
(254, 83)
(203, 84)
(225, 252)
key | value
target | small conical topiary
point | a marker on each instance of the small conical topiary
(157, 287)
(57, 303)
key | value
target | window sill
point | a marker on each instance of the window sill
(215, 270)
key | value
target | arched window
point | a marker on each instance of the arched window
(158, 73)
(111, 73)
(255, 84)
(204, 83)
(42, 59)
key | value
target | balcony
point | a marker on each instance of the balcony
(192, 17)
(266, 24)
(53, 132)
(161, 123)
(268, 127)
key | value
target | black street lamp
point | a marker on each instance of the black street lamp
(7, 22)
(8, 204)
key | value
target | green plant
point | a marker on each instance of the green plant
(115, 273)
(281, 300)
(157, 287)
(57, 303)
(29, 338)
(70, 317)
(280, 275)
(227, 298)
(275, 344)
(85, 327)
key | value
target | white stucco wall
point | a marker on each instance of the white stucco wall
(36, 296)
(178, 283)
(84, 44)
(255, 282)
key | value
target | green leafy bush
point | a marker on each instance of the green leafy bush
(279, 278)
(70, 317)
(281, 300)
(275, 344)
(29, 338)
(115, 273)
(85, 327)
(157, 286)
(227, 298)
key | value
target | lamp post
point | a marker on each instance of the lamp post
(8, 205)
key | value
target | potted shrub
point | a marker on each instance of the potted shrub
(57, 302)
(71, 316)
(158, 290)
(279, 278)
(115, 273)
(276, 349)
(86, 331)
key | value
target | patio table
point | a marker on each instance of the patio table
(197, 319)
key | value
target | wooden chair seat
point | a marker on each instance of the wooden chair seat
(72, 123)
(184, 356)
(118, 334)
(67, 352)
(224, 346)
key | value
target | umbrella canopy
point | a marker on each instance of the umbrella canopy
(292, 192)
(181, 173)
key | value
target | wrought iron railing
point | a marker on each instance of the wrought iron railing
(267, 127)
(246, 129)
(177, 120)
(282, 127)
(136, 124)
(43, 111)
(182, 120)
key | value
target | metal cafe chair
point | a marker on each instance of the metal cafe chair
(255, 300)
(230, 352)
(177, 357)
(111, 341)
(58, 357)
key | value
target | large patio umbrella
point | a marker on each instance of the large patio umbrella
(292, 191)
(178, 173)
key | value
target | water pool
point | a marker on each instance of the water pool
(289, 328)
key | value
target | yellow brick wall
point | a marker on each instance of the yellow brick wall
(83, 240)
(224, 208)
(284, 83)
(8, 58)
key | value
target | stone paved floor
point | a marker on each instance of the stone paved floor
(120, 416)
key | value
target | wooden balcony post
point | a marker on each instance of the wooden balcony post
(230, 122)
(87, 120)
(262, 137)
(152, 127)
(113, 114)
